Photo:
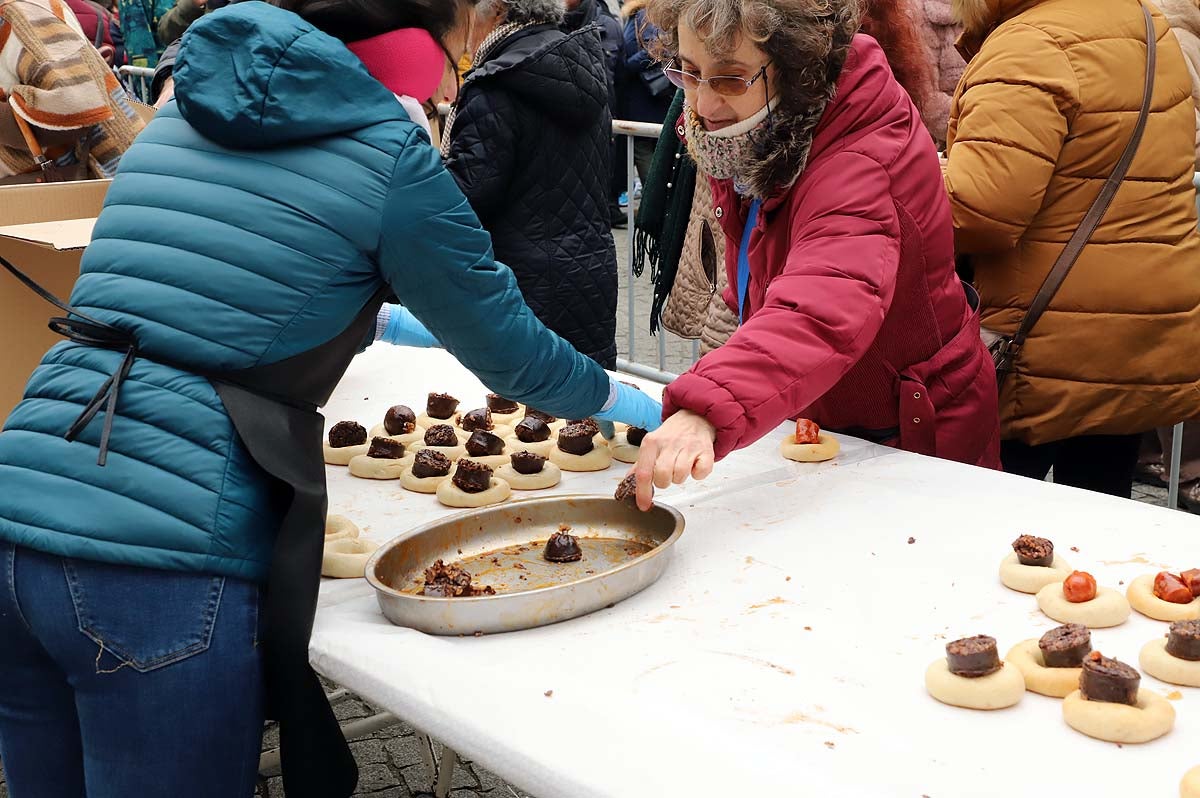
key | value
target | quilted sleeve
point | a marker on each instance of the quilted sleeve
(820, 315)
(439, 261)
(1016, 100)
(483, 148)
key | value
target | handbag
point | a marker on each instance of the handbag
(47, 170)
(1004, 349)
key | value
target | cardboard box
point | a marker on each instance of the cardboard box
(44, 229)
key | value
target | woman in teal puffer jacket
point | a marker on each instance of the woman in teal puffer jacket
(241, 256)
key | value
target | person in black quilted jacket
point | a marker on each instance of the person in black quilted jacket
(528, 142)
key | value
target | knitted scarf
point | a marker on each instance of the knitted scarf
(662, 218)
(486, 47)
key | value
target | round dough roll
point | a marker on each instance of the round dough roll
(1055, 682)
(455, 453)
(597, 459)
(492, 461)
(1141, 597)
(408, 438)
(508, 419)
(623, 450)
(548, 477)
(1108, 608)
(378, 468)
(338, 527)
(1120, 723)
(452, 495)
(425, 421)
(342, 455)
(347, 558)
(1189, 786)
(998, 690)
(1155, 661)
(427, 485)
(826, 448)
(542, 448)
(1031, 578)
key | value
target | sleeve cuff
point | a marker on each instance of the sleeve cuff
(612, 396)
(381, 320)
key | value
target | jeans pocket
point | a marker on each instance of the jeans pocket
(146, 618)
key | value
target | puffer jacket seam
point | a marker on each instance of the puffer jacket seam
(125, 418)
(165, 284)
(284, 52)
(1073, 98)
(138, 379)
(220, 503)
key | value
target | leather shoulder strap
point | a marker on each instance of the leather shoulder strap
(1070, 254)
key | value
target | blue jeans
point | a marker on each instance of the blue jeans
(119, 681)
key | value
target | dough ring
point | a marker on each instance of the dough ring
(548, 477)
(1108, 608)
(1031, 578)
(408, 438)
(623, 450)
(338, 527)
(347, 558)
(342, 455)
(455, 453)
(1141, 598)
(597, 459)
(508, 419)
(498, 430)
(492, 461)
(1054, 682)
(1120, 723)
(452, 495)
(1155, 661)
(1189, 787)
(826, 448)
(428, 485)
(514, 444)
(425, 421)
(378, 468)
(997, 690)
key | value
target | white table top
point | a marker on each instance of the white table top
(784, 650)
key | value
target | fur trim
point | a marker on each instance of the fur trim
(972, 14)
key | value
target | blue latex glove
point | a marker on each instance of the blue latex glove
(395, 324)
(631, 406)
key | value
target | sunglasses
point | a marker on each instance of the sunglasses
(724, 85)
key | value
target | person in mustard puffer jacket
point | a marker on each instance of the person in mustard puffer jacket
(1047, 104)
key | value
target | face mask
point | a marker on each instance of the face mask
(723, 153)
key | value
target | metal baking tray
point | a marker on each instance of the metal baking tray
(625, 551)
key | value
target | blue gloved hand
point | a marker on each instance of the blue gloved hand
(631, 406)
(395, 324)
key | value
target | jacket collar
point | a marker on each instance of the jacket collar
(981, 17)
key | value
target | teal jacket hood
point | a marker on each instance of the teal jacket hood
(252, 76)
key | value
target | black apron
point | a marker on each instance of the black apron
(274, 410)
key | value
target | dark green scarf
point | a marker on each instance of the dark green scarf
(662, 218)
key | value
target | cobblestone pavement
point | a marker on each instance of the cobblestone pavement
(389, 761)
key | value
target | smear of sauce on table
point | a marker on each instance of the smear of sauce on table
(800, 717)
(770, 602)
(757, 661)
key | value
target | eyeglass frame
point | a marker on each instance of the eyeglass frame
(761, 73)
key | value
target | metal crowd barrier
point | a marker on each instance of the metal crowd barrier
(137, 80)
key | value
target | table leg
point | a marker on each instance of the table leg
(441, 771)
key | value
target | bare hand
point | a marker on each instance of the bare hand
(166, 94)
(681, 447)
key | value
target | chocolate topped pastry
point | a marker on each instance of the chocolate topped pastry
(532, 430)
(441, 435)
(627, 490)
(540, 416)
(472, 477)
(1183, 640)
(1033, 551)
(385, 449)
(576, 439)
(1107, 680)
(973, 656)
(635, 436)
(562, 547)
(477, 419)
(429, 463)
(590, 423)
(527, 463)
(498, 404)
(440, 405)
(347, 433)
(1065, 646)
(399, 420)
(451, 581)
(481, 444)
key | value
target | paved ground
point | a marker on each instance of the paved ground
(389, 761)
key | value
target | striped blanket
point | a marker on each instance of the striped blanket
(54, 78)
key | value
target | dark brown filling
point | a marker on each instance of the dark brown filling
(472, 477)
(590, 423)
(399, 420)
(498, 404)
(385, 449)
(562, 547)
(627, 490)
(532, 430)
(478, 419)
(429, 463)
(347, 433)
(451, 581)
(528, 463)
(576, 439)
(1065, 646)
(441, 435)
(635, 436)
(1033, 551)
(1183, 640)
(1105, 679)
(973, 656)
(482, 444)
(540, 416)
(440, 405)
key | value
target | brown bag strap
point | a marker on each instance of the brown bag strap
(1091, 221)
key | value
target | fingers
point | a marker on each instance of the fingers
(683, 466)
(644, 471)
(703, 466)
